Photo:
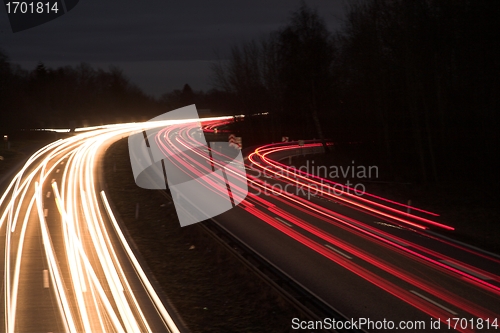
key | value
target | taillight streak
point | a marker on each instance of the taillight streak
(351, 202)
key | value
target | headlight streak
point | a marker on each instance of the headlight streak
(54, 270)
(91, 288)
(154, 296)
(15, 284)
(73, 259)
(76, 242)
(19, 175)
(11, 303)
(10, 312)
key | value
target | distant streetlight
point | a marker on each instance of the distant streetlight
(7, 143)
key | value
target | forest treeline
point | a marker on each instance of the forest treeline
(81, 95)
(414, 82)
(68, 96)
(417, 82)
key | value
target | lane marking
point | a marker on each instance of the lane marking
(387, 224)
(284, 222)
(381, 235)
(466, 270)
(48, 194)
(433, 302)
(57, 171)
(338, 251)
(45, 278)
(45, 212)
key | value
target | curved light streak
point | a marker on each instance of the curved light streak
(81, 239)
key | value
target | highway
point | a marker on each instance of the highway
(69, 268)
(366, 256)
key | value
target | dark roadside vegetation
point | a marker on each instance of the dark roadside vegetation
(16, 146)
(209, 287)
(9, 156)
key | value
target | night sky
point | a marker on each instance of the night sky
(160, 45)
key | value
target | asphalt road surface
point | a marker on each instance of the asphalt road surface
(378, 262)
(68, 267)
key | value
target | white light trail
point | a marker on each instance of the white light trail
(86, 255)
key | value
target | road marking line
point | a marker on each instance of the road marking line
(338, 251)
(57, 171)
(45, 212)
(387, 224)
(433, 302)
(383, 236)
(284, 222)
(45, 278)
(467, 270)
(48, 194)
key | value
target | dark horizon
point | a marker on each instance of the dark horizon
(160, 47)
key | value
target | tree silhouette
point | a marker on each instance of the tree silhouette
(288, 74)
(306, 54)
(415, 82)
